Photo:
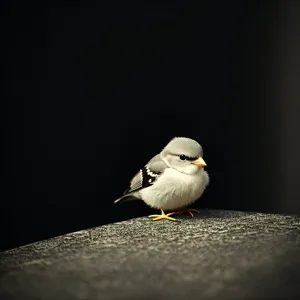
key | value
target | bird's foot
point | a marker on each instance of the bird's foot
(186, 210)
(163, 216)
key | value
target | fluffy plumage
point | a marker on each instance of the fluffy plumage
(173, 179)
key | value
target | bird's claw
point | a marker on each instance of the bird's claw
(163, 216)
(187, 210)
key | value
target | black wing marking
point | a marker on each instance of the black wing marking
(144, 178)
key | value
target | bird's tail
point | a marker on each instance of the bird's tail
(125, 199)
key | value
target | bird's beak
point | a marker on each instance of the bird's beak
(199, 162)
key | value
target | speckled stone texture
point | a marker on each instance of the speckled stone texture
(215, 255)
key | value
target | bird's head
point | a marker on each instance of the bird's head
(184, 155)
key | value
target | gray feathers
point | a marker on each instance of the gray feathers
(136, 183)
(182, 145)
(145, 176)
(181, 176)
(157, 165)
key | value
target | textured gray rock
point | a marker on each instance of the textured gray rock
(215, 255)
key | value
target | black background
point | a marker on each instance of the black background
(93, 92)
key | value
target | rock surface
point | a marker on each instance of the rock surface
(215, 255)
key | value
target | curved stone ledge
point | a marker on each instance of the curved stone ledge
(215, 255)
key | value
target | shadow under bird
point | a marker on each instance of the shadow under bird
(171, 180)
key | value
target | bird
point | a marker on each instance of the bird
(172, 180)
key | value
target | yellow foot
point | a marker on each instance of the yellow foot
(186, 210)
(163, 216)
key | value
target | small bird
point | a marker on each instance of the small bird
(171, 180)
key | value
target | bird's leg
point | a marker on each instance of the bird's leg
(186, 210)
(162, 216)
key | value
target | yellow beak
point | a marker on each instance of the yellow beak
(199, 162)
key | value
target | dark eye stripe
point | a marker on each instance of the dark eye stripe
(189, 158)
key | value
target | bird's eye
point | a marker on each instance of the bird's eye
(182, 157)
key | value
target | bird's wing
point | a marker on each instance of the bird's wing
(147, 175)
